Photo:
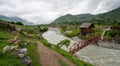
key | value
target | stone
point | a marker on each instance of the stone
(21, 56)
(10, 41)
(17, 47)
(23, 51)
(25, 43)
(20, 52)
(27, 60)
(7, 48)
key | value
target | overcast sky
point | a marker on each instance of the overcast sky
(45, 11)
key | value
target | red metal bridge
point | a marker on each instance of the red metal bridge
(82, 44)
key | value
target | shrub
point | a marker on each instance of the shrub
(65, 42)
(112, 33)
(22, 45)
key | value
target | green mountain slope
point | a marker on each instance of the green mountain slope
(73, 18)
(112, 15)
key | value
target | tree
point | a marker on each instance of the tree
(12, 22)
(65, 42)
(44, 29)
(19, 23)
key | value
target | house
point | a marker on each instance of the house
(86, 28)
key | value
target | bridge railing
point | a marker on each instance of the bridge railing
(82, 44)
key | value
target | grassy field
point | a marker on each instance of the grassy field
(8, 59)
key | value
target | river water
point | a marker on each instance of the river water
(98, 56)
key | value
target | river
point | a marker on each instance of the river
(96, 55)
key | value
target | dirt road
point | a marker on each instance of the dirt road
(49, 57)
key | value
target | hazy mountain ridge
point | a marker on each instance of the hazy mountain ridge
(15, 19)
(111, 15)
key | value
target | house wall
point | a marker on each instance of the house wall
(84, 31)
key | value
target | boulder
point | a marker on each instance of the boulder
(21, 56)
(7, 48)
(23, 50)
(10, 41)
(27, 61)
(20, 52)
(25, 43)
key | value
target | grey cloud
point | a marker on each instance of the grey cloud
(45, 11)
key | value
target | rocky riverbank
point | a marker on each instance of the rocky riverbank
(109, 45)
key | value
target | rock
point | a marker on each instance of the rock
(23, 50)
(21, 56)
(17, 47)
(20, 52)
(10, 41)
(27, 61)
(25, 43)
(7, 48)
(30, 42)
(17, 42)
(16, 38)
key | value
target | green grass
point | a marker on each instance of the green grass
(32, 52)
(4, 36)
(70, 57)
(8, 59)
(62, 63)
(73, 33)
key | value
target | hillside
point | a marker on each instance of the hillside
(73, 18)
(15, 19)
(111, 15)
(17, 47)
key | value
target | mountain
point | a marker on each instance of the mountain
(73, 18)
(111, 15)
(15, 19)
(4, 18)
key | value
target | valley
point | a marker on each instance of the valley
(69, 40)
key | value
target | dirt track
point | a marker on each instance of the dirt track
(49, 57)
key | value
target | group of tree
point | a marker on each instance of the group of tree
(42, 29)
(65, 42)
(18, 23)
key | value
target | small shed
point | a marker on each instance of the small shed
(86, 28)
